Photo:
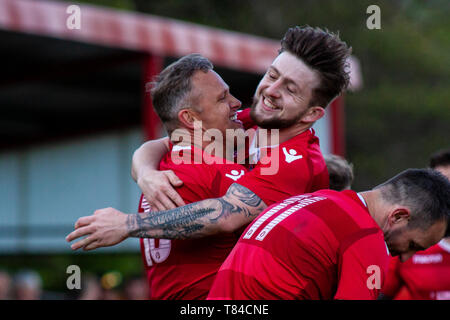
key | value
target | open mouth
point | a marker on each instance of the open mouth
(269, 105)
(233, 117)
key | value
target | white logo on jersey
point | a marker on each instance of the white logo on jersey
(425, 259)
(157, 254)
(235, 174)
(153, 253)
(291, 155)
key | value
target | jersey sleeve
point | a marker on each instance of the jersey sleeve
(277, 180)
(393, 281)
(362, 269)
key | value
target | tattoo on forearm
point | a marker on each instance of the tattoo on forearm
(197, 219)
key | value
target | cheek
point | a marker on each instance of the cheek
(262, 85)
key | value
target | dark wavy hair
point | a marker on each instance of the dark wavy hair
(325, 53)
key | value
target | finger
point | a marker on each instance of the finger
(175, 197)
(173, 178)
(78, 233)
(82, 243)
(92, 246)
(83, 221)
(166, 202)
(157, 206)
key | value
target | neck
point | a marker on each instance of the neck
(375, 205)
(277, 136)
(292, 131)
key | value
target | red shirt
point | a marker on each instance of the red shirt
(191, 268)
(322, 245)
(425, 276)
(293, 167)
(185, 269)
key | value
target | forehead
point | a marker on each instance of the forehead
(293, 68)
(209, 83)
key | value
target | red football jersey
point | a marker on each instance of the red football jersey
(425, 276)
(322, 245)
(298, 173)
(185, 269)
(293, 167)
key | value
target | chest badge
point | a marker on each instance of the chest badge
(235, 174)
(291, 155)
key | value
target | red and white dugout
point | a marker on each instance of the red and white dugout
(155, 39)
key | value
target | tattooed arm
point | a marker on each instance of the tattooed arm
(108, 227)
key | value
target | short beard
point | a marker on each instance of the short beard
(272, 123)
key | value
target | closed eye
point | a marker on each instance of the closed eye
(223, 96)
(291, 90)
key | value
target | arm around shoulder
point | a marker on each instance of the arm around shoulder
(148, 156)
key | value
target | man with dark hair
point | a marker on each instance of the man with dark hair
(426, 276)
(319, 51)
(340, 172)
(291, 96)
(331, 245)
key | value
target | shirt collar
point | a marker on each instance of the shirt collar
(444, 245)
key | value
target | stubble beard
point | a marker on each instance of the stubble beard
(272, 123)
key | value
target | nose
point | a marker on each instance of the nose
(406, 256)
(273, 89)
(235, 103)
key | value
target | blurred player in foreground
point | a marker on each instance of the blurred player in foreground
(334, 245)
(426, 276)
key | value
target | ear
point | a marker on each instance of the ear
(313, 114)
(399, 215)
(187, 117)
